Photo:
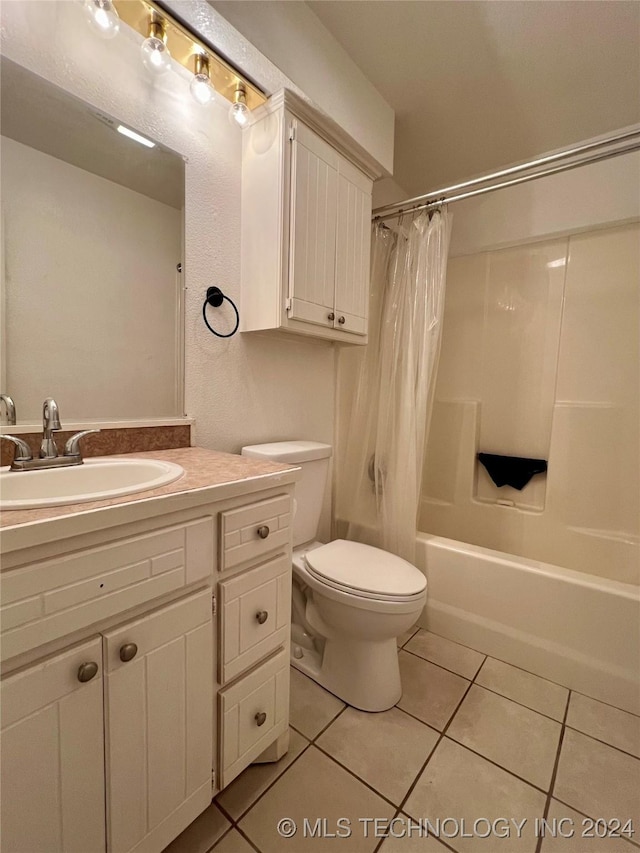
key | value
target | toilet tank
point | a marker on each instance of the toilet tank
(313, 458)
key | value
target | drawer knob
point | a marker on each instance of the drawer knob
(331, 317)
(341, 320)
(86, 671)
(262, 616)
(261, 718)
(128, 652)
(263, 531)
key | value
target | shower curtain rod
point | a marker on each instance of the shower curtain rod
(442, 196)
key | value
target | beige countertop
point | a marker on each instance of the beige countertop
(220, 475)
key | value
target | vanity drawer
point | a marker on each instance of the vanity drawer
(48, 600)
(255, 610)
(253, 713)
(254, 530)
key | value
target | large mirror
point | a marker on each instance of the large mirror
(92, 248)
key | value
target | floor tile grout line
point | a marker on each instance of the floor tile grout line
(604, 742)
(435, 746)
(499, 766)
(247, 839)
(355, 776)
(286, 769)
(269, 787)
(584, 814)
(522, 669)
(434, 663)
(515, 701)
(554, 772)
(218, 840)
(488, 689)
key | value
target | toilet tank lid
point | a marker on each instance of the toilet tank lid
(288, 451)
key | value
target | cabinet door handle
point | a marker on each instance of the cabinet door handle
(331, 317)
(86, 671)
(128, 652)
(262, 616)
(341, 320)
(263, 531)
(260, 718)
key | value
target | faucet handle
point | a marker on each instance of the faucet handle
(23, 451)
(72, 447)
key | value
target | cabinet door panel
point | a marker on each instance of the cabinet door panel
(314, 182)
(159, 724)
(52, 757)
(352, 250)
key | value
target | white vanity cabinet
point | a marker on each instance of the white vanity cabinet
(306, 226)
(158, 723)
(254, 592)
(52, 761)
(145, 666)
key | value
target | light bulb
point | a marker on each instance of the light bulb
(240, 113)
(201, 88)
(155, 53)
(102, 18)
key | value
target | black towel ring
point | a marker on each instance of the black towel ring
(215, 298)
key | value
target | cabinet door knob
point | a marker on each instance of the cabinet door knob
(260, 718)
(262, 616)
(331, 317)
(263, 531)
(86, 671)
(341, 320)
(128, 652)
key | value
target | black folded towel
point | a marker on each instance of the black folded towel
(514, 471)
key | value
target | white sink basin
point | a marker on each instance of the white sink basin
(94, 480)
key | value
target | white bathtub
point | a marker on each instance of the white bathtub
(577, 629)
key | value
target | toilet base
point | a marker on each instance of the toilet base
(365, 675)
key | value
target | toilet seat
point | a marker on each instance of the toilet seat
(364, 571)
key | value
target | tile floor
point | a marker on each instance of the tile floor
(475, 745)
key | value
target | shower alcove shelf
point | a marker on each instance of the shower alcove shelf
(306, 224)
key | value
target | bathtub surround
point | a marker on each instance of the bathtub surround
(540, 358)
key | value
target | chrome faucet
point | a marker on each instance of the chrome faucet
(11, 408)
(50, 424)
(24, 461)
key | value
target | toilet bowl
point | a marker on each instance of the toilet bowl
(355, 626)
(350, 602)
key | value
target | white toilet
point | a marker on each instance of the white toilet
(350, 601)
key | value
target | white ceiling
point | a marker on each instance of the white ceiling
(479, 85)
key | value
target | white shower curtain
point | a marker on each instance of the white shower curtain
(386, 392)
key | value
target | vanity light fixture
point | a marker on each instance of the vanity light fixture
(167, 40)
(155, 53)
(102, 18)
(239, 112)
(126, 131)
(200, 85)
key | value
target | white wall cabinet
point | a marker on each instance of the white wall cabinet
(306, 228)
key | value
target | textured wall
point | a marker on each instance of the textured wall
(295, 39)
(250, 388)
